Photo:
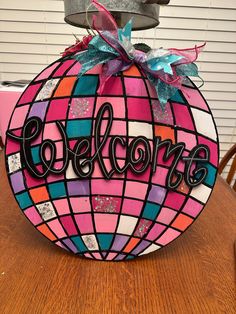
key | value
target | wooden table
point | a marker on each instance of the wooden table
(195, 274)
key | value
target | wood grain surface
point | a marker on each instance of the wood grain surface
(194, 274)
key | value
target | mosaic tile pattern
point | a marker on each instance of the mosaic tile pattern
(129, 215)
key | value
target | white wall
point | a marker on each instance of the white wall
(33, 33)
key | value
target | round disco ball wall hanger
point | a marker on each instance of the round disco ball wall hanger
(112, 151)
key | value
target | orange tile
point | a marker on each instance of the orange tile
(183, 188)
(132, 71)
(46, 231)
(132, 243)
(182, 222)
(165, 132)
(39, 194)
(65, 87)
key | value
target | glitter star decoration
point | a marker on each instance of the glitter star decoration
(79, 107)
(105, 204)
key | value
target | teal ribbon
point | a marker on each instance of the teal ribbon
(165, 70)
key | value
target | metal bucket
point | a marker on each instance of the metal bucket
(145, 13)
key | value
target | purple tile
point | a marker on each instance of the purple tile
(77, 188)
(157, 194)
(120, 257)
(70, 245)
(39, 110)
(17, 182)
(141, 247)
(119, 243)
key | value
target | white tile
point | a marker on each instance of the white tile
(91, 242)
(14, 163)
(127, 224)
(140, 129)
(70, 174)
(46, 210)
(150, 249)
(47, 90)
(204, 123)
(201, 193)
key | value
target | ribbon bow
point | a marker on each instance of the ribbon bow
(112, 47)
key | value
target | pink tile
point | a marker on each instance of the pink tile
(51, 132)
(33, 215)
(192, 208)
(174, 200)
(156, 230)
(194, 98)
(182, 117)
(168, 236)
(47, 72)
(118, 128)
(19, 117)
(132, 207)
(75, 69)
(80, 204)
(113, 87)
(188, 138)
(58, 243)
(118, 106)
(97, 173)
(58, 109)
(166, 215)
(29, 94)
(107, 187)
(12, 146)
(105, 222)
(56, 227)
(63, 68)
(31, 181)
(62, 206)
(85, 223)
(143, 177)
(69, 225)
(139, 109)
(159, 177)
(135, 87)
(111, 256)
(97, 256)
(136, 190)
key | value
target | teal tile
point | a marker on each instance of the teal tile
(35, 154)
(178, 98)
(151, 211)
(105, 241)
(87, 85)
(211, 176)
(79, 244)
(24, 200)
(57, 190)
(78, 128)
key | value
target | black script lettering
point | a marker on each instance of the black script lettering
(194, 157)
(171, 150)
